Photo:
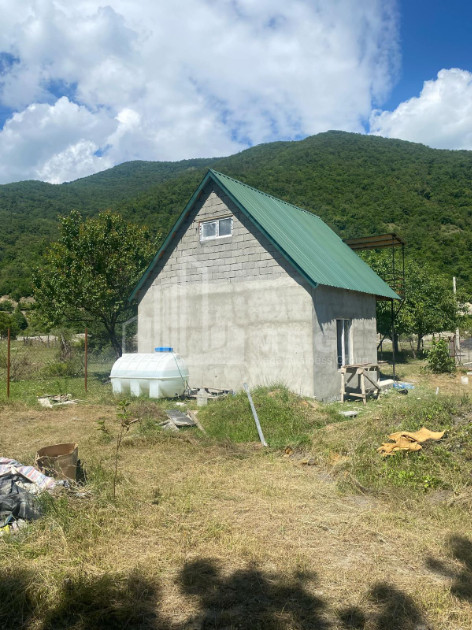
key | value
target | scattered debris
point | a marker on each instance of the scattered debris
(179, 418)
(464, 380)
(202, 398)
(301, 458)
(401, 444)
(56, 401)
(204, 394)
(59, 460)
(309, 461)
(407, 441)
(423, 435)
(193, 415)
(169, 425)
(348, 414)
(18, 485)
(386, 384)
(403, 385)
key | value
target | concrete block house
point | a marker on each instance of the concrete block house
(249, 288)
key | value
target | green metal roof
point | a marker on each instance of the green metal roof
(302, 238)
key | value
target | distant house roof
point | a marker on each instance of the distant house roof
(301, 237)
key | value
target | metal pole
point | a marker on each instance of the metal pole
(8, 363)
(403, 272)
(393, 312)
(393, 343)
(86, 357)
(254, 413)
(457, 340)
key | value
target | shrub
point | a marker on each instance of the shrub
(439, 359)
(7, 306)
(70, 367)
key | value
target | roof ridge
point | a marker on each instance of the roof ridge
(261, 192)
(311, 247)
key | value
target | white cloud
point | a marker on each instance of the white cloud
(53, 142)
(173, 80)
(440, 117)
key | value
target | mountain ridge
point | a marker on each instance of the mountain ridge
(358, 184)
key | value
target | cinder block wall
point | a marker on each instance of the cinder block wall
(232, 307)
(331, 304)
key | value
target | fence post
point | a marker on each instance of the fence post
(8, 364)
(86, 357)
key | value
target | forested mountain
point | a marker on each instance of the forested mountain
(358, 184)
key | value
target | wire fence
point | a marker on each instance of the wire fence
(44, 357)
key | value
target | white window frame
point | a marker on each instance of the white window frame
(343, 342)
(217, 222)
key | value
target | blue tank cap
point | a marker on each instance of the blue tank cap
(164, 349)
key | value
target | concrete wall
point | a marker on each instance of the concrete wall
(232, 307)
(237, 311)
(331, 304)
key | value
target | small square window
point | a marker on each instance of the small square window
(217, 228)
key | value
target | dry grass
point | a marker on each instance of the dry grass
(212, 535)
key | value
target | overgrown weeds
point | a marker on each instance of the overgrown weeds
(286, 419)
(437, 465)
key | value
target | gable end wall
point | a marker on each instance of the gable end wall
(232, 307)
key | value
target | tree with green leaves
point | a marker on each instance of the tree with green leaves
(19, 319)
(7, 322)
(430, 305)
(87, 276)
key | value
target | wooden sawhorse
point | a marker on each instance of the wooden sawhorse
(364, 371)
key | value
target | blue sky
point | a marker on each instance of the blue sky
(88, 84)
(434, 34)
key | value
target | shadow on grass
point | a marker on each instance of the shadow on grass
(84, 603)
(17, 599)
(249, 599)
(460, 549)
(402, 357)
(392, 610)
(246, 599)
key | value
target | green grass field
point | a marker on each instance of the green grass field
(213, 531)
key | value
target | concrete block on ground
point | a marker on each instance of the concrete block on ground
(348, 414)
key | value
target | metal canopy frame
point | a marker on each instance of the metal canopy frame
(395, 278)
(375, 242)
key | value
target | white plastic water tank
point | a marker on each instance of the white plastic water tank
(160, 374)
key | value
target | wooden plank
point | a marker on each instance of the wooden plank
(375, 384)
